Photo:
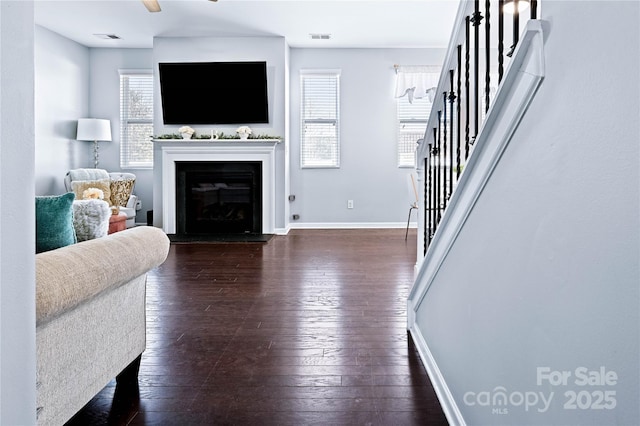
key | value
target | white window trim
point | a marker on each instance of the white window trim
(124, 164)
(399, 123)
(320, 72)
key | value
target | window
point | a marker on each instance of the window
(415, 88)
(136, 119)
(320, 124)
(411, 124)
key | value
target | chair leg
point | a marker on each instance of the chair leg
(406, 234)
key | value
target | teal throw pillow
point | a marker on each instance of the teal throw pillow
(54, 222)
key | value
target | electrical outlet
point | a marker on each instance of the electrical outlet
(349, 204)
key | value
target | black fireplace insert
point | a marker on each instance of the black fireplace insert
(218, 197)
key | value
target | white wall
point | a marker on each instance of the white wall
(545, 271)
(273, 50)
(62, 96)
(368, 174)
(212, 49)
(17, 216)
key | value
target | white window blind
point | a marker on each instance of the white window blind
(320, 146)
(136, 119)
(411, 124)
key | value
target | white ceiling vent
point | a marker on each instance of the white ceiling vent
(107, 36)
(320, 36)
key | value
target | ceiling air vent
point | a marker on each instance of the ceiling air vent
(107, 36)
(320, 36)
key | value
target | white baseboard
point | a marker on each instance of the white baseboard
(448, 404)
(351, 225)
(340, 225)
(282, 231)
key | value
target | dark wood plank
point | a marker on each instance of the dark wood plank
(309, 328)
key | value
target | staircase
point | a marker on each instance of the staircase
(476, 65)
(522, 270)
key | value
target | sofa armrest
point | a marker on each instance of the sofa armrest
(133, 200)
(67, 276)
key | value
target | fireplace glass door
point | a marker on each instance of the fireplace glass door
(219, 197)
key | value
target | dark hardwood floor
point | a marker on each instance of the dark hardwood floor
(307, 329)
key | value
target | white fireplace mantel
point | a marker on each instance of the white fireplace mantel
(171, 151)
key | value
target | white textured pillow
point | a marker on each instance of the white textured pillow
(91, 219)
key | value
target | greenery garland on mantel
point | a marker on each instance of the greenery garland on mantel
(221, 135)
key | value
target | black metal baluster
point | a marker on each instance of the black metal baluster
(452, 99)
(438, 176)
(445, 195)
(434, 204)
(443, 176)
(487, 43)
(516, 23)
(500, 40)
(476, 19)
(516, 28)
(534, 9)
(466, 82)
(459, 119)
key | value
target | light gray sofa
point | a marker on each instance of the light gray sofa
(90, 317)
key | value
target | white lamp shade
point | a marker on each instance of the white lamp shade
(94, 129)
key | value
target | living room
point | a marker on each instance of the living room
(68, 86)
(81, 81)
(593, 257)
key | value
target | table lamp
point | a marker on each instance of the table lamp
(94, 129)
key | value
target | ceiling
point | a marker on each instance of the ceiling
(351, 23)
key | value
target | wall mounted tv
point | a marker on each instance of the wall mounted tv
(214, 92)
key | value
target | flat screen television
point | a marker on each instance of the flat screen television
(214, 92)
